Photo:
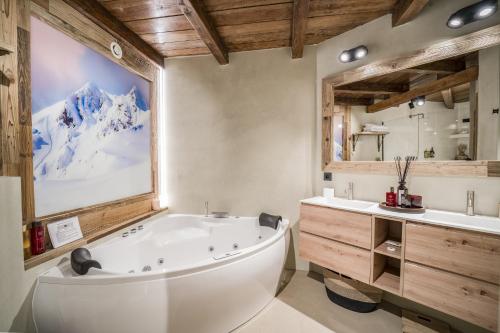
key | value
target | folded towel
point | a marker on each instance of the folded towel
(375, 128)
(267, 220)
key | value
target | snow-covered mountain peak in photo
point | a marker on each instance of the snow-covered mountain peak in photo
(90, 133)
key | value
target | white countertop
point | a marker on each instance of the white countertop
(478, 223)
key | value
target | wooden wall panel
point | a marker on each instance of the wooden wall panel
(98, 220)
(24, 110)
(63, 17)
(9, 117)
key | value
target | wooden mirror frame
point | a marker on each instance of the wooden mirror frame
(475, 41)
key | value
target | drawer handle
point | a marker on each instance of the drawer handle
(464, 242)
(483, 293)
(466, 291)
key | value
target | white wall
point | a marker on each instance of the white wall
(385, 42)
(16, 284)
(241, 136)
(403, 138)
(488, 97)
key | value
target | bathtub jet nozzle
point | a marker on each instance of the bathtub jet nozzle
(81, 261)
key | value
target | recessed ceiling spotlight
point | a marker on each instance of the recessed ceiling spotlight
(361, 52)
(418, 101)
(353, 54)
(486, 11)
(478, 11)
(345, 56)
(455, 22)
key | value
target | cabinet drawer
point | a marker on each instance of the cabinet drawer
(467, 253)
(457, 295)
(347, 227)
(348, 260)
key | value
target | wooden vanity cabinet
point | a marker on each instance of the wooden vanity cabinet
(452, 270)
(336, 239)
(339, 257)
(468, 299)
(340, 225)
(472, 254)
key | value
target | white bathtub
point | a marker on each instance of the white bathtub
(216, 274)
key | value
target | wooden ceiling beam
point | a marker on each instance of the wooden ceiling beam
(197, 15)
(98, 14)
(450, 81)
(299, 23)
(407, 10)
(448, 99)
(365, 101)
(372, 88)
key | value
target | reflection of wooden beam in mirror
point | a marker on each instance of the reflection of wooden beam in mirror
(448, 98)
(342, 100)
(407, 10)
(372, 88)
(450, 81)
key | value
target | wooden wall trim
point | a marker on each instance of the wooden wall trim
(9, 117)
(96, 12)
(421, 168)
(24, 110)
(16, 124)
(454, 47)
(64, 18)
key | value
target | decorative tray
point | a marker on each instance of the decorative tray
(420, 210)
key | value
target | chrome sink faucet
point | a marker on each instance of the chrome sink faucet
(470, 203)
(206, 208)
(350, 191)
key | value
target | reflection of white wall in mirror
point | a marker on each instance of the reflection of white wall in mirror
(435, 130)
(488, 99)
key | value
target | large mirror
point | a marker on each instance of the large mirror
(440, 111)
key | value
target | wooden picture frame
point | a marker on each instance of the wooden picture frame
(97, 220)
(454, 47)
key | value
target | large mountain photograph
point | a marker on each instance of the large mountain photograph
(90, 124)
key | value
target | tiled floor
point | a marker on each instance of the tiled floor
(303, 307)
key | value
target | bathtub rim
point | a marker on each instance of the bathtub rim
(202, 266)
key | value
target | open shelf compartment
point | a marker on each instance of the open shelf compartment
(387, 237)
(387, 273)
(387, 254)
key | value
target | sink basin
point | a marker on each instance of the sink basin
(473, 221)
(352, 204)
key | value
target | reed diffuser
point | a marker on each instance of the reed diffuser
(402, 174)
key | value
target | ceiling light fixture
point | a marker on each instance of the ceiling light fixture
(478, 11)
(418, 101)
(353, 54)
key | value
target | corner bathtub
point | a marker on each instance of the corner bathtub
(175, 274)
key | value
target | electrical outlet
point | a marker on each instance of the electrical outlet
(327, 176)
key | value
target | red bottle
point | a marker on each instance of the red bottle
(37, 238)
(391, 198)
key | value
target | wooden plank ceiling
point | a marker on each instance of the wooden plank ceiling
(445, 81)
(244, 25)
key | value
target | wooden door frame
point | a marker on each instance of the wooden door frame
(454, 47)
